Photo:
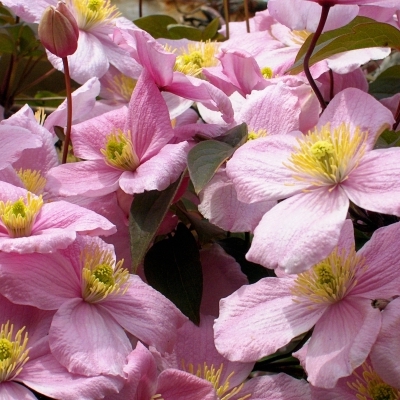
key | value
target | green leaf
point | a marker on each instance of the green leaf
(147, 211)
(361, 33)
(172, 266)
(235, 136)
(156, 25)
(6, 44)
(204, 159)
(178, 31)
(386, 84)
(211, 30)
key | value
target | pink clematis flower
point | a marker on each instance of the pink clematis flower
(26, 361)
(97, 302)
(334, 298)
(318, 174)
(28, 225)
(127, 148)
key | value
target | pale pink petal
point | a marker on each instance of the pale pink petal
(386, 350)
(87, 340)
(68, 216)
(341, 341)
(257, 169)
(300, 231)
(88, 178)
(89, 136)
(221, 277)
(43, 281)
(258, 319)
(220, 205)
(48, 377)
(352, 106)
(373, 185)
(148, 119)
(275, 387)
(146, 314)
(158, 172)
(179, 385)
(11, 390)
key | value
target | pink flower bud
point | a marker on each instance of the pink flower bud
(58, 30)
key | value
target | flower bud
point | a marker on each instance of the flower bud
(58, 30)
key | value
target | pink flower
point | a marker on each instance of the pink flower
(318, 174)
(333, 298)
(127, 148)
(97, 302)
(28, 225)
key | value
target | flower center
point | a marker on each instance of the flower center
(119, 151)
(89, 13)
(19, 216)
(101, 277)
(370, 386)
(13, 353)
(33, 181)
(213, 375)
(252, 135)
(330, 280)
(267, 72)
(326, 158)
(196, 57)
(40, 116)
(299, 37)
(122, 86)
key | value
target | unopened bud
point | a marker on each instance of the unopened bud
(58, 30)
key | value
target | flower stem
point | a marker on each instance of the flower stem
(69, 110)
(246, 15)
(226, 16)
(306, 62)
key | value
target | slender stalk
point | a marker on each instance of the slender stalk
(226, 12)
(306, 63)
(397, 118)
(246, 15)
(140, 8)
(332, 85)
(69, 110)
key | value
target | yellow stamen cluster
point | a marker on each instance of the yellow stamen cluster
(370, 386)
(101, 277)
(252, 135)
(40, 115)
(267, 72)
(19, 216)
(213, 375)
(119, 151)
(13, 352)
(33, 181)
(299, 37)
(89, 13)
(156, 397)
(330, 280)
(325, 157)
(123, 86)
(196, 57)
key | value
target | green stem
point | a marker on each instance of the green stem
(69, 110)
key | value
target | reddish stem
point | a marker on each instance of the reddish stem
(69, 110)
(306, 62)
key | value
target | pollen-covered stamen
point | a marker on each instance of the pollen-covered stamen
(19, 216)
(253, 135)
(157, 397)
(299, 37)
(119, 151)
(40, 115)
(101, 277)
(121, 86)
(330, 280)
(213, 375)
(196, 57)
(370, 386)
(89, 13)
(33, 181)
(267, 72)
(13, 351)
(325, 157)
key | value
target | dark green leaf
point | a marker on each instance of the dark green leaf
(184, 32)
(235, 136)
(173, 267)
(6, 44)
(211, 30)
(156, 25)
(386, 84)
(147, 211)
(204, 159)
(361, 33)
